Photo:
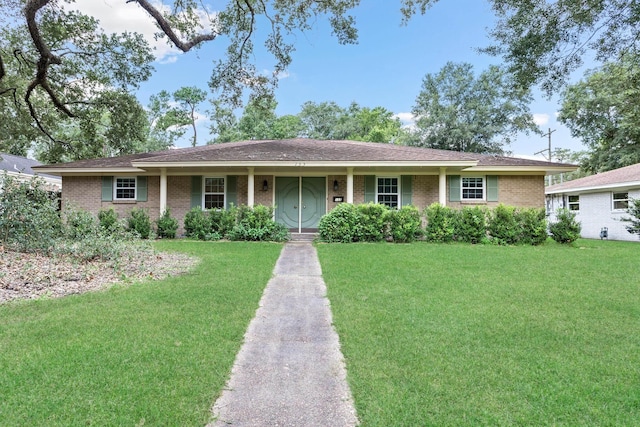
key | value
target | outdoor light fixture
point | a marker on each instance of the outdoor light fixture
(335, 185)
(265, 185)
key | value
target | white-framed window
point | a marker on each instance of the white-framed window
(124, 188)
(472, 188)
(388, 191)
(214, 193)
(573, 203)
(620, 201)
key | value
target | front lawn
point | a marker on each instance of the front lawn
(484, 335)
(153, 353)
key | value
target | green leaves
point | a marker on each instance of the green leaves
(458, 111)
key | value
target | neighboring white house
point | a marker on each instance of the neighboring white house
(599, 201)
(20, 168)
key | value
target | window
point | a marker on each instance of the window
(125, 188)
(388, 192)
(214, 193)
(620, 201)
(472, 188)
(574, 203)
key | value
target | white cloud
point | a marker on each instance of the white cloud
(117, 16)
(407, 119)
(540, 119)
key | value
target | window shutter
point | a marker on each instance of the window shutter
(232, 191)
(196, 191)
(107, 188)
(369, 188)
(492, 188)
(454, 188)
(406, 183)
(141, 190)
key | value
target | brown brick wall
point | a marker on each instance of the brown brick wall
(260, 196)
(513, 190)
(425, 190)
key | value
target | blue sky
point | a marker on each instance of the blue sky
(385, 68)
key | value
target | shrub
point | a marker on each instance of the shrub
(257, 224)
(441, 223)
(405, 224)
(80, 224)
(471, 224)
(342, 224)
(566, 229)
(634, 211)
(139, 222)
(29, 217)
(503, 227)
(167, 225)
(374, 221)
(533, 226)
(109, 221)
(223, 220)
(197, 224)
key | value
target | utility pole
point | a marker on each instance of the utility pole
(548, 134)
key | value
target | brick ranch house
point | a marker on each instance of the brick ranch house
(302, 178)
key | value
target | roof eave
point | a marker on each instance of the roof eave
(595, 188)
(305, 163)
(94, 171)
(549, 170)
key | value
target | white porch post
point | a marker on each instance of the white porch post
(442, 186)
(250, 188)
(349, 185)
(163, 190)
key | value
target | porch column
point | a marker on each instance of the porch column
(349, 185)
(163, 190)
(250, 188)
(442, 187)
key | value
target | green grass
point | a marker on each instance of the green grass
(154, 353)
(438, 335)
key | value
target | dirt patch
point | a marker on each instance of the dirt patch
(31, 276)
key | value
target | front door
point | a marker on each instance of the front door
(300, 202)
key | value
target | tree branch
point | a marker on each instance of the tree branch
(166, 28)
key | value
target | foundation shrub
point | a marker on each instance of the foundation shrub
(503, 226)
(29, 217)
(257, 224)
(139, 222)
(566, 229)
(80, 224)
(471, 224)
(167, 225)
(405, 224)
(374, 221)
(341, 225)
(109, 221)
(441, 223)
(634, 219)
(223, 220)
(533, 226)
(197, 224)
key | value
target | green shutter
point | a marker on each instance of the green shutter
(196, 191)
(141, 191)
(406, 182)
(492, 188)
(107, 188)
(369, 188)
(232, 191)
(454, 188)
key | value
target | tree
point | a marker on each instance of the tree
(166, 124)
(603, 111)
(457, 111)
(188, 99)
(320, 120)
(368, 124)
(54, 61)
(543, 42)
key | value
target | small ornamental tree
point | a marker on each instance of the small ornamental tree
(634, 220)
(566, 229)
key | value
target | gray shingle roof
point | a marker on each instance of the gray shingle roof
(621, 176)
(302, 150)
(23, 165)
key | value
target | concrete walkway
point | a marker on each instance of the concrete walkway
(289, 371)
